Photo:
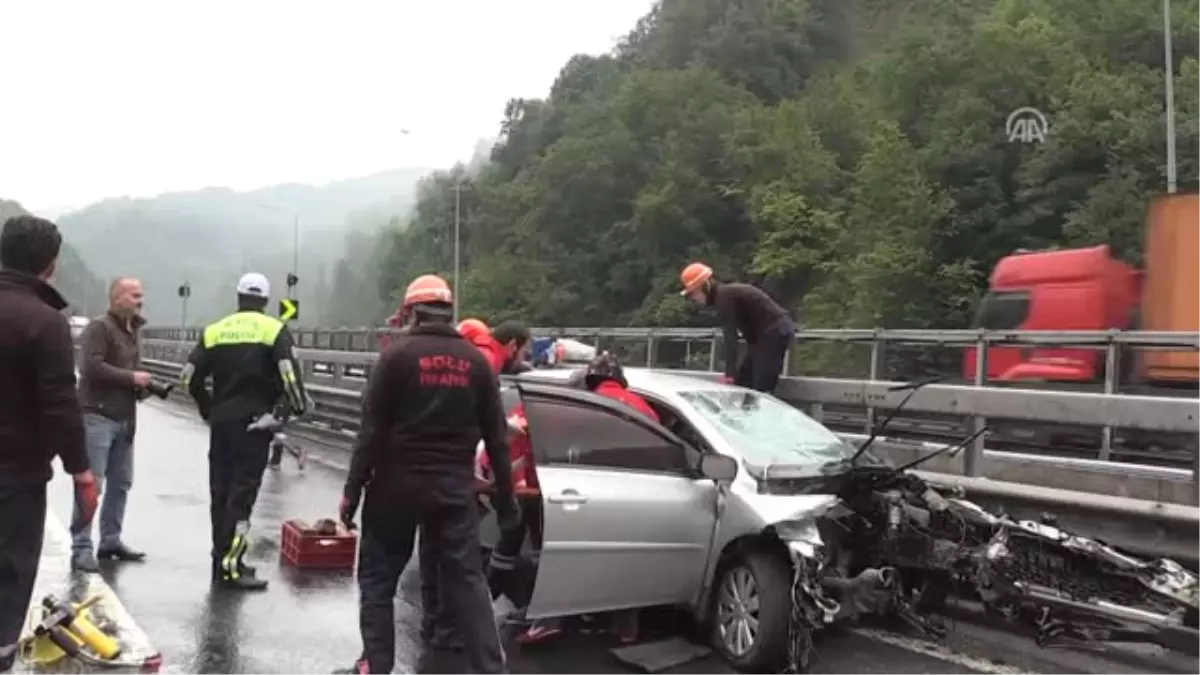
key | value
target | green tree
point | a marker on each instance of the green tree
(850, 155)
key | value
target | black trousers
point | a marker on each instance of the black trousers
(506, 575)
(437, 631)
(444, 510)
(22, 526)
(236, 461)
(763, 365)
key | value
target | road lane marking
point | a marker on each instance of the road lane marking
(937, 651)
(56, 577)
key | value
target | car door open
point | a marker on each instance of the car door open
(627, 520)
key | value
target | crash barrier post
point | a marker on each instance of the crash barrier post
(336, 377)
(1137, 507)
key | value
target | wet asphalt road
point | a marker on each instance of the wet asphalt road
(306, 622)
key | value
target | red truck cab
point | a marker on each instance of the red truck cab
(1075, 289)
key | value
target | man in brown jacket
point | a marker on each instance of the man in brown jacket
(39, 413)
(111, 384)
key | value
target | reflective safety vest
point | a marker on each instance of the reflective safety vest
(252, 363)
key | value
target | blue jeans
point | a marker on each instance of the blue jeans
(110, 454)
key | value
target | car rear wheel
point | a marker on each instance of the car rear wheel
(750, 612)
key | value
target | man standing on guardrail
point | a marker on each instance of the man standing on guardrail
(767, 328)
(253, 364)
(39, 413)
(111, 383)
(430, 399)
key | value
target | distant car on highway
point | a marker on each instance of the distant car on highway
(641, 514)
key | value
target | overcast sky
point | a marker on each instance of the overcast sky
(102, 99)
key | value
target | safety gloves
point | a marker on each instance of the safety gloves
(87, 496)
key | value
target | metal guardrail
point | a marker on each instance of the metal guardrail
(1113, 343)
(365, 338)
(338, 376)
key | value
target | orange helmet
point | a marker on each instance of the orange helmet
(693, 276)
(472, 329)
(428, 288)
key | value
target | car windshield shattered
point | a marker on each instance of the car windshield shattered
(768, 431)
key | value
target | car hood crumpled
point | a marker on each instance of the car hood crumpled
(792, 517)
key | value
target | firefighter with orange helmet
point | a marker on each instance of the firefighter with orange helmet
(767, 328)
(505, 346)
(431, 398)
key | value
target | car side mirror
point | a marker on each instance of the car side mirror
(718, 467)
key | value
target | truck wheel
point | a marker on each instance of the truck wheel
(751, 610)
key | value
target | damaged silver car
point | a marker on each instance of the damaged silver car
(769, 527)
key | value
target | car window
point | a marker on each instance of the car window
(766, 430)
(570, 433)
(672, 421)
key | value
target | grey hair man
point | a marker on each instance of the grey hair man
(111, 384)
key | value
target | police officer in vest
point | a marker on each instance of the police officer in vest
(253, 365)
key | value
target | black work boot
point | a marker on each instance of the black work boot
(218, 573)
(120, 552)
(243, 582)
(84, 561)
(246, 580)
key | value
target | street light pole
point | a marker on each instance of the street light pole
(1170, 73)
(293, 276)
(295, 254)
(457, 221)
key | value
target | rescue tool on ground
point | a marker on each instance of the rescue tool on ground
(60, 630)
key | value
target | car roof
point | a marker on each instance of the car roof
(663, 383)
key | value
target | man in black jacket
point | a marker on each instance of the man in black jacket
(252, 362)
(767, 328)
(431, 397)
(40, 418)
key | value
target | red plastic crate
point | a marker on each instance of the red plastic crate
(306, 548)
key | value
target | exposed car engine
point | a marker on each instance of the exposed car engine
(896, 546)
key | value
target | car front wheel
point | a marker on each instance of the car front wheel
(750, 612)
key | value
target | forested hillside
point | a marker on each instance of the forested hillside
(86, 293)
(850, 154)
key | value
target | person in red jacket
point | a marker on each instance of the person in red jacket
(502, 347)
(505, 575)
(506, 346)
(605, 377)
